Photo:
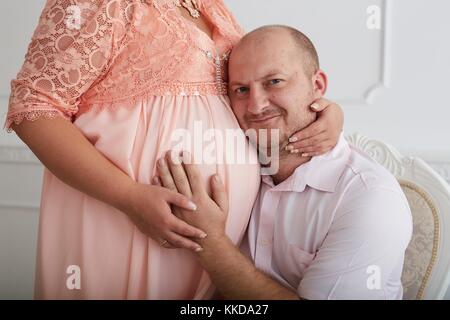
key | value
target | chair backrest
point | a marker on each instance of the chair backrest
(426, 272)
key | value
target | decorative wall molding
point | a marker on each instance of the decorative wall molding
(4, 206)
(23, 155)
(384, 64)
(18, 154)
(366, 54)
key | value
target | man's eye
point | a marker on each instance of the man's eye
(275, 81)
(241, 90)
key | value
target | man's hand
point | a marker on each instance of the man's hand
(180, 174)
(234, 274)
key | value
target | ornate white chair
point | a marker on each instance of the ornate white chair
(426, 273)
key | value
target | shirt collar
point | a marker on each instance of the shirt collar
(321, 172)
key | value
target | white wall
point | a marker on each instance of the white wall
(20, 172)
(391, 82)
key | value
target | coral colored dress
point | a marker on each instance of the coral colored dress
(137, 79)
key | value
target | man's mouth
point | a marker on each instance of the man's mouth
(264, 119)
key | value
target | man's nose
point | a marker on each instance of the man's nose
(258, 100)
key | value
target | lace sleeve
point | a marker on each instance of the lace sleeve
(70, 49)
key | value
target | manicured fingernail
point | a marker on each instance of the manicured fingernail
(198, 249)
(175, 158)
(295, 151)
(192, 206)
(162, 162)
(305, 154)
(202, 235)
(293, 139)
(217, 178)
(315, 106)
(288, 148)
(186, 154)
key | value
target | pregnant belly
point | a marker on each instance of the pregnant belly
(135, 138)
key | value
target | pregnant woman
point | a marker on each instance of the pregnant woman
(104, 86)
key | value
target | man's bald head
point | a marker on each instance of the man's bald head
(307, 51)
(274, 77)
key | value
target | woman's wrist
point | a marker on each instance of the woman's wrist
(124, 199)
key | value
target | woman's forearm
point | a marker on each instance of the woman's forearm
(66, 152)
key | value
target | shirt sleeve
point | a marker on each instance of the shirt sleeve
(362, 255)
(70, 49)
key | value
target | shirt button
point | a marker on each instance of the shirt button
(264, 242)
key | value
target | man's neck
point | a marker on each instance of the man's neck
(288, 162)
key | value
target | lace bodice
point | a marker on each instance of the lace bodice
(117, 52)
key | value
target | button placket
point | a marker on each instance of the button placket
(264, 241)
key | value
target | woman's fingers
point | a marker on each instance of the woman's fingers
(178, 241)
(310, 142)
(166, 245)
(184, 229)
(313, 150)
(312, 130)
(312, 146)
(330, 120)
(179, 200)
(320, 105)
(179, 234)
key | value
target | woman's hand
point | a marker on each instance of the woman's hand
(323, 134)
(148, 207)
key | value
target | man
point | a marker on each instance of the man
(334, 226)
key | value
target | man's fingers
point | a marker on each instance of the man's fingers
(182, 242)
(178, 174)
(165, 177)
(194, 176)
(180, 200)
(156, 181)
(219, 193)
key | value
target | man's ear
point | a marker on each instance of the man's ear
(320, 83)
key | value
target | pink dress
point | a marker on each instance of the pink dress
(129, 74)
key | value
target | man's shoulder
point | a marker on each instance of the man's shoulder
(371, 193)
(367, 184)
(366, 174)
